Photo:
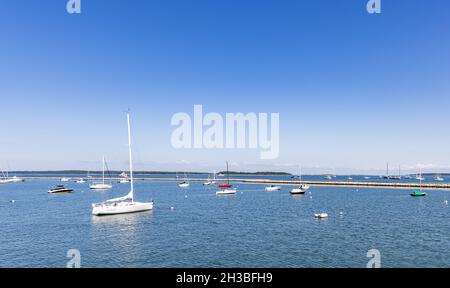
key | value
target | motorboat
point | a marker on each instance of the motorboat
(60, 189)
(273, 188)
(300, 189)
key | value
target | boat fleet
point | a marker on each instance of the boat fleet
(127, 204)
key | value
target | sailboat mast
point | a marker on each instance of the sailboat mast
(103, 170)
(228, 175)
(130, 156)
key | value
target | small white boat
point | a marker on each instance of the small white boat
(226, 192)
(124, 181)
(367, 177)
(321, 215)
(209, 182)
(123, 175)
(60, 189)
(328, 177)
(300, 189)
(125, 204)
(349, 178)
(439, 178)
(102, 185)
(81, 181)
(183, 184)
(273, 188)
(65, 179)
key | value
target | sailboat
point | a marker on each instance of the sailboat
(300, 189)
(419, 192)
(125, 204)
(5, 179)
(439, 178)
(227, 187)
(185, 183)
(210, 182)
(102, 185)
(214, 178)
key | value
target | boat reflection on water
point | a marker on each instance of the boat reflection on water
(123, 219)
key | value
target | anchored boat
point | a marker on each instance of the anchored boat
(125, 204)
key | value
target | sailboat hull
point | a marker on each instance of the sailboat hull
(100, 186)
(120, 208)
(226, 192)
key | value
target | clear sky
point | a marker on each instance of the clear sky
(353, 90)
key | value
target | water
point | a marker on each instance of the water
(253, 228)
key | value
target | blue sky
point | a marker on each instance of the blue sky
(353, 90)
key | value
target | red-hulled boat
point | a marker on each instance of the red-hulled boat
(226, 185)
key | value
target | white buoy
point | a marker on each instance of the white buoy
(341, 213)
(13, 201)
(185, 196)
(172, 208)
(446, 202)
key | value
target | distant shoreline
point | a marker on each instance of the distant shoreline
(259, 173)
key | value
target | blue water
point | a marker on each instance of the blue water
(253, 228)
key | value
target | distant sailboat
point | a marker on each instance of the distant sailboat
(439, 178)
(302, 188)
(185, 183)
(5, 178)
(209, 182)
(125, 204)
(226, 185)
(227, 188)
(419, 192)
(102, 185)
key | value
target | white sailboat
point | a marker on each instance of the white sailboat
(125, 204)
(185, 183)
(227, 188)
(102, 185)
(439, 178)
(302, 188)
(211, 182)
(420, 177)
